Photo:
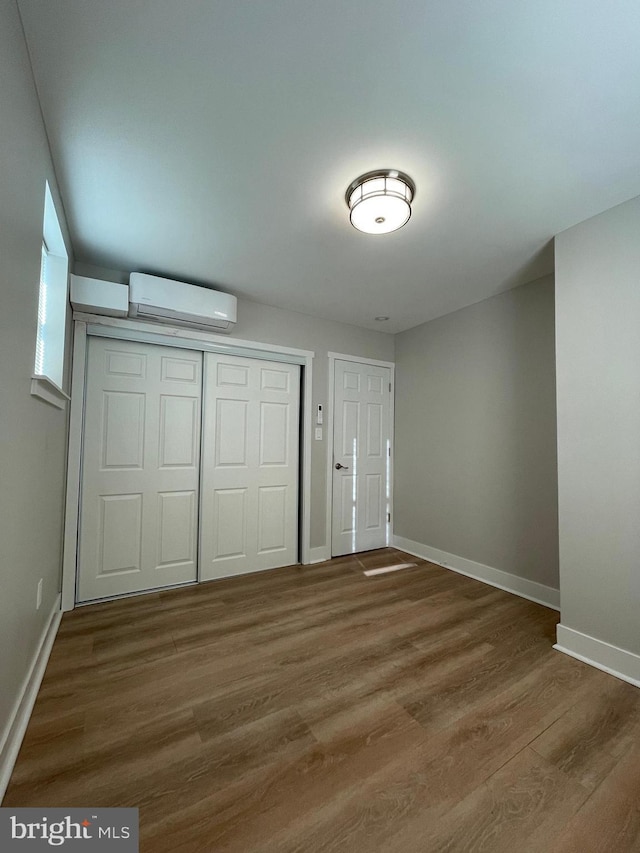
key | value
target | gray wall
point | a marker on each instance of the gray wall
(262, 323)
(32, 433)
(598, 376)
(272, 325)
(475, 471)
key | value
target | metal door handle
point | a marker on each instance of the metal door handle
(339, 467)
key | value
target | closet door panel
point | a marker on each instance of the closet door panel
(250, 449)
(141, 468)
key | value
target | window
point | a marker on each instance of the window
(52, 310)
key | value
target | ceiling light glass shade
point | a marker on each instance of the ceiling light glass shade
(380, 201)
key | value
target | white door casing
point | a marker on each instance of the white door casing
(250, 462)
(361, 487)
(141, 463)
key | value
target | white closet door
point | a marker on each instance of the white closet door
(361, 456)
(141, 464)
(249, 518)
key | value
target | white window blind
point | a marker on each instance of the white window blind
(52, 300)
(42, 315)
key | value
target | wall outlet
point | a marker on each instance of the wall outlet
(318, 433)
(39, 594)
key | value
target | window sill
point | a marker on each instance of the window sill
(45, 389)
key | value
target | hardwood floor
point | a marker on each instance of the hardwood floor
(315, 709)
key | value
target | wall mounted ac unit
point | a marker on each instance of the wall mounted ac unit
(180, 304)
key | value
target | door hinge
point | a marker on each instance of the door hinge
(389, 451)
(388, 516)
(389, 387)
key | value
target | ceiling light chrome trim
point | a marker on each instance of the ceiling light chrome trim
(381, 173)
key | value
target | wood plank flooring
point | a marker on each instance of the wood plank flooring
(316, 709)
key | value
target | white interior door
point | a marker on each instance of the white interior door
(249, 517)
(141, 464)
(361, 457)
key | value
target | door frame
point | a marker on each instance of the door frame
(333, 357)
(141, 332)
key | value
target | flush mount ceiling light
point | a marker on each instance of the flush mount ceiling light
(380, 201)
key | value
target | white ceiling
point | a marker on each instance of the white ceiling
(212, 140)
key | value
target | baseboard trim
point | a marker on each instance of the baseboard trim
(611, 659)
(17, 724)
(319, 554)
(537, 592)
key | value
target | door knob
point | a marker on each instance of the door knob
(339, 467)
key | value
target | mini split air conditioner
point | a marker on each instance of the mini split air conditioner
(180, 304)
